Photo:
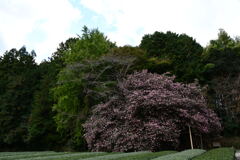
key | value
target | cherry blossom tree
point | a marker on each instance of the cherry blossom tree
(149, 112)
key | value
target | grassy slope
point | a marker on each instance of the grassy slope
(196, 154)
(147, 156)
(81, 155)
(117, 156)
(184, 155)
(218, 154)
(53, 156)
(19, 155)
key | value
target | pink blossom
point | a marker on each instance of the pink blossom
(150, 111)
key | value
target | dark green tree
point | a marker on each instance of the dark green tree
(18, 80)
(42, 129)
(179, 54)
(221, 60)
(42, 134)
(221, 57)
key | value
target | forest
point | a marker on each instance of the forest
(94, 95)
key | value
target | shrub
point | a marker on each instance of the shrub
(184, 155)
(217, 154)
(149, 113)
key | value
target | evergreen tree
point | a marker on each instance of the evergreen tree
(18, 79)
(178, 54)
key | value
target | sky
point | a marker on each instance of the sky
(41, 25)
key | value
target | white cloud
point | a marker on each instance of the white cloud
(200, 19)
(42, 24)
(21, 18)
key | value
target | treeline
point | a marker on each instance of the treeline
(43, 106)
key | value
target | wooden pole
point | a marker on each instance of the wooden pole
(190, 136)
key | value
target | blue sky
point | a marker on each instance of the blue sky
(90, 19)
(42, 24)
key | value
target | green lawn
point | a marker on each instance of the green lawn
(196, 154)
(184, 155)
(218, 154)
(81, 155)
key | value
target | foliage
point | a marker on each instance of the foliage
(91, 44)
(92, 81)
(135, 57)
(223, 54)
(216, 154)
(159, 65)
(42, 133)
(71, 94)
(184, 155)
(221, 72)
(59, 56)
(18, 81)
(224, 96)
(41, 126)
(149, 113)
(179, 54)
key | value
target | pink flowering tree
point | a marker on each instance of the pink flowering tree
(150, 111)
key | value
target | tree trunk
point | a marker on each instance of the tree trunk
(190, 136)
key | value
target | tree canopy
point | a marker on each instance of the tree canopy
(149, 111)
(71, 94)
(221, 61)
(176, 53)
(18, 81)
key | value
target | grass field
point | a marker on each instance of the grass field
(81, 155)
(218, 154)
(195, 154)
